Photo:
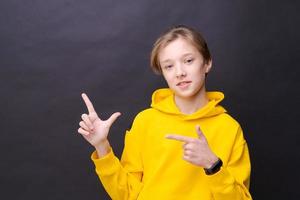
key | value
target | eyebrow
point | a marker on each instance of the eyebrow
(186, 54)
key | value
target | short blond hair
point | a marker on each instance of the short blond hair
(172, 34)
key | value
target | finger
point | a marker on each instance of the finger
(88, 103)
(189, 146)
(87, 121)
(180, 138)
(83, 132)
(84, 126)
(186, 158)
(199, 132)
(187, 153)
(113, 118)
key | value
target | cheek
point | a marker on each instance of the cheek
(169, 80)
(201, 70)
(167, 76)
(199, 75)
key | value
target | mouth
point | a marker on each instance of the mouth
(183, 83)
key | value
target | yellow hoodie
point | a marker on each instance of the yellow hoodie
(152, 168)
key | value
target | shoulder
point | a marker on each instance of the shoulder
(233, 125)
(231, 122)
(144, 117)
(228, 120)
(230, 126)
(145, 114)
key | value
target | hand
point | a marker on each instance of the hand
(92, 128)
(196, 150)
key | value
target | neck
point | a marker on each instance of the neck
(193, 103)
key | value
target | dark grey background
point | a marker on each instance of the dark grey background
(51, 51)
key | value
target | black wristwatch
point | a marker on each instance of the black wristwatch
(214, 168)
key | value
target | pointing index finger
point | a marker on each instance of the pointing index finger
(88, 103)
(180, 138)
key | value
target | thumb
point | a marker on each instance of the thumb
(113, 118)
(199, 132)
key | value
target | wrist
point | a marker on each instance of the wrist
(214, 168)
(211, 161)
(102, 148)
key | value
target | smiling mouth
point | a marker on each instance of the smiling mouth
(183, 83)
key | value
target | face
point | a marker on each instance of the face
(184, 68)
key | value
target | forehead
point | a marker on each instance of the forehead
(177, 48)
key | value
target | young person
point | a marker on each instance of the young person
(185, 146)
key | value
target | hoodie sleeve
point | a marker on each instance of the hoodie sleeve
(122, 179)
(233, 180)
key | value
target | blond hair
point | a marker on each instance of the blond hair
(172, 34)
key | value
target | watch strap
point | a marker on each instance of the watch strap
(214, 168)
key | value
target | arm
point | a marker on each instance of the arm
(231, 182)
(122, 180)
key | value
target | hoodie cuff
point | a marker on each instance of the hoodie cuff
(107, 164)
(221, 180)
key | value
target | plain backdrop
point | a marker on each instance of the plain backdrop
(52, 51)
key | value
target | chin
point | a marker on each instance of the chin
(185, 94)
(189, 93)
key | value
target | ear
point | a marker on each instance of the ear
(208, 66)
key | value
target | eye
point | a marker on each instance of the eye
(189, 60)
(168, 67)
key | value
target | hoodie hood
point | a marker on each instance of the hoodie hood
(163, 100)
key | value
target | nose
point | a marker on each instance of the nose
(180, 71)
